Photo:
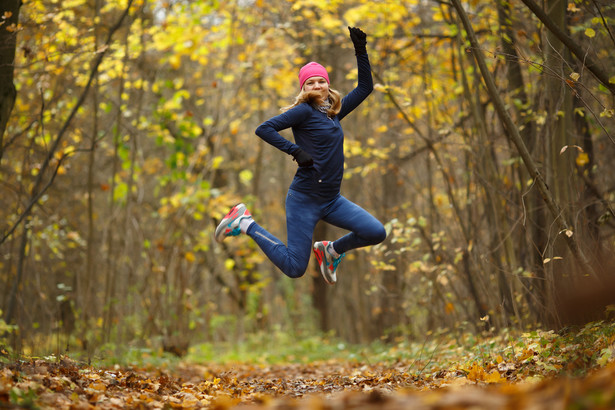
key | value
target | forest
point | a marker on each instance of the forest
(127, 132)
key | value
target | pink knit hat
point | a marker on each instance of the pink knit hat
(312, 69)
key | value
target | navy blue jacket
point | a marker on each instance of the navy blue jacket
(322, 137)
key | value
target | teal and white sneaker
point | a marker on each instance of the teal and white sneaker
(229, 226)
(327, 262)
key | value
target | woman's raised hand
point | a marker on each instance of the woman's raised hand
(359, 39)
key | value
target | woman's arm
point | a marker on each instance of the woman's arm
(365, 82)
(269, 131)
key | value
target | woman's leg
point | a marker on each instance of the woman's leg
(301, 218)
(365, 229)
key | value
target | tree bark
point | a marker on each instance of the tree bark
(10, 313)
(559, 109)
(8, 43)
(535, 214)
(320, 299)
(84, 280)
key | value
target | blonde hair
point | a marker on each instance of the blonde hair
(313, 98)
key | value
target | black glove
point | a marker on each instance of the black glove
(359, 40)
(303, 158)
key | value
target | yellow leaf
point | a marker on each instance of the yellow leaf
(493, 377)
(575, 76)
(582, 159)
(382, 88)
(229, 264)
(329, 22)
(590, 32)
(477, 373)
(175, 61)
(99, 386)
(246, 176)
(234, 127)
(189, 256)
(13, 28)
(217, 161)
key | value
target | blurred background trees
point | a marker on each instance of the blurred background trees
(132, 132)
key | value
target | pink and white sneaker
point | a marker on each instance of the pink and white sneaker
(229, 226)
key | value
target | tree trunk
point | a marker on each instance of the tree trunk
(111, 275)
(488, 178)
(85, 280)
(559, 168)
(536, 233)
(8, 93)
(320, 298)
(10, 313)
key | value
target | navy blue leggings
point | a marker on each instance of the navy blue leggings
(303, 211)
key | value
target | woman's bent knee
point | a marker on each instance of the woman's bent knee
(294, 273)
(378, 235)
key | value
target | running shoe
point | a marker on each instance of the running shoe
(327, 262)
(229, 226)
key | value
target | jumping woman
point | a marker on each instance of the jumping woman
(314, 193)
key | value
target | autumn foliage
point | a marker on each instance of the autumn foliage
(127, 131)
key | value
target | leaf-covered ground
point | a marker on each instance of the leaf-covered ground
(541, 370)
(64, 384)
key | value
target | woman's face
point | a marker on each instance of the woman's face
(318, 84)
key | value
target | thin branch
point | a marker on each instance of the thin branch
(574, 48)
(403, 113)
(546, 70)
(604, 23)
(33, 201)
(19, 134)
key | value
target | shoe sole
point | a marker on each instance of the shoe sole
(322, 261)
(232, 214)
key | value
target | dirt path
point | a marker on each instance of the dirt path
(327, 385)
